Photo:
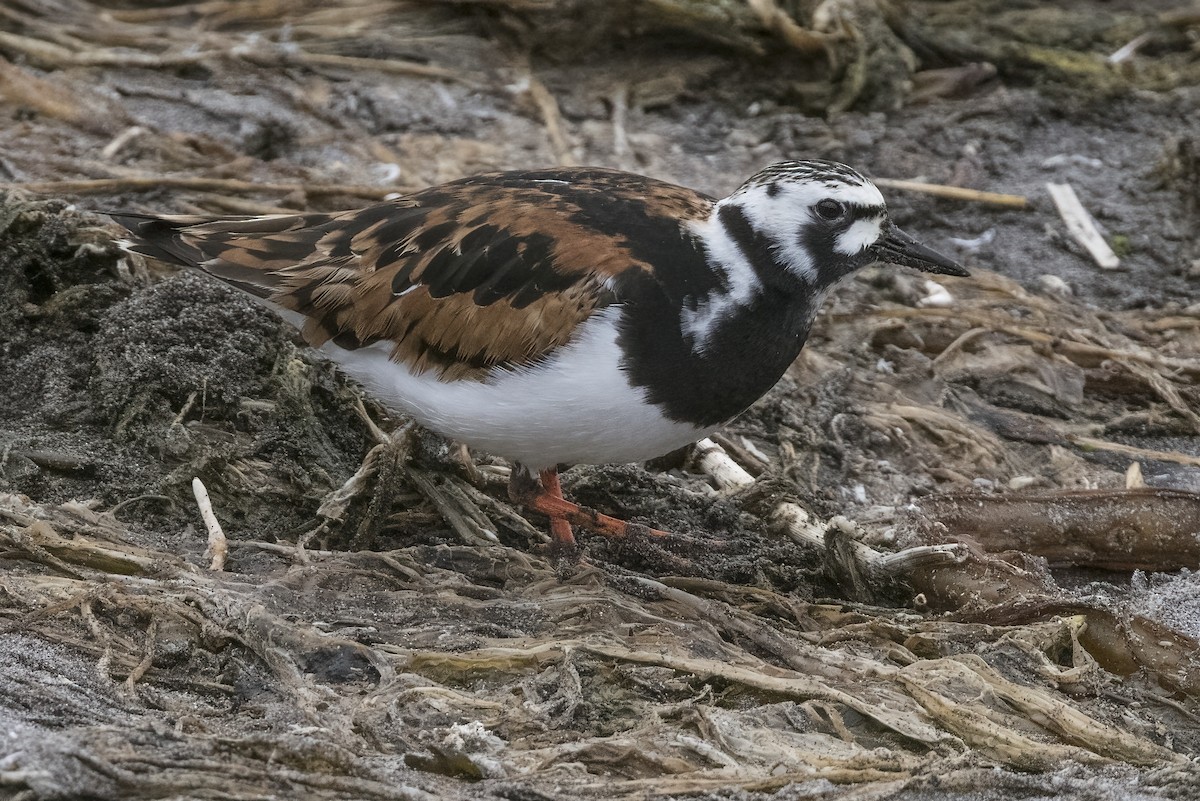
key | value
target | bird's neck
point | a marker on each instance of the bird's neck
(713, 345)
(749, 269)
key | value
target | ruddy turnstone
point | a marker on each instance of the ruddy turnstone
(559, 316)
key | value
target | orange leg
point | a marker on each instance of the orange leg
(560, 527)
(547, 498)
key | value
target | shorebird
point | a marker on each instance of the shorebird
(559, 316)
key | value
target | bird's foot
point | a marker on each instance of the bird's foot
(546, 497)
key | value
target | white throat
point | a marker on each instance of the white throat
(741, 282)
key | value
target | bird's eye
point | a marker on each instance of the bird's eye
(830, 209)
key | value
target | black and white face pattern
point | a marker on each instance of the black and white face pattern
(798, 226)
(820, 217)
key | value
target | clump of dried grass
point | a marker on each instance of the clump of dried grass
(677, 684)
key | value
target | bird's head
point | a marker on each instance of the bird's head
(822, 220)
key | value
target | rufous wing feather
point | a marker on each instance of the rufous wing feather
(490, 271)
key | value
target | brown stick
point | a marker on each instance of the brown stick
(1139, 529)
(955, 192)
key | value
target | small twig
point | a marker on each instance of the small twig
(955, 192)
(454, 489)
(187, 407)
(547, 107)
(812, 532)
(378, 434)
(51, 54)
(300, 550)
(782, 24)
(825, 713)
(496, 472)
(908, 560)
(745, 453)
(279, 548)
(394, 66)
(798, 524)
(218, 546)
(37, 540)
(1067, 347)
(1141, 453)
(410, 573)
(119, 141)
(805, 530)
(47, 53)
(712, 459)
(334, 504)
(619, 100)
(954, 347)
(789, 683)
(1169, 323)
(389, 464)
(58, 461)
(148, 659)
(1167, 392)
(1130, 49)
(89, 618)
(137, 499)
(464, 523)
(510, 515)
(1081, 227)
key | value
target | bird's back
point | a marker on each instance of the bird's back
(492, 270)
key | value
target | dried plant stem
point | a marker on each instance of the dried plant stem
(150, 183)
(136, 674)
(806, 530)
(782, 24)
(51, 54)
(1086, 353)
(1141, 453)
(714, 461)
(471, 524)
(955, 192)
(218, 546)
(389, 65)
(547, 107)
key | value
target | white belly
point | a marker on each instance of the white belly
(576, 407)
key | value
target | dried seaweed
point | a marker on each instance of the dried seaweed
(694, 700)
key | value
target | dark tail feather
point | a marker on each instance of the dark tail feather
(254, 254)
(158, 238)
(228, 248)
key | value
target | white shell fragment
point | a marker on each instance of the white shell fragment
(1081, 226)
(936, 295)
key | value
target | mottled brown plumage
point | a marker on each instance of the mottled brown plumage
(492, 270)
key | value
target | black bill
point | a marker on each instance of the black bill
(897, 247)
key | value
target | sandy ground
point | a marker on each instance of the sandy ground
(366, 639)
